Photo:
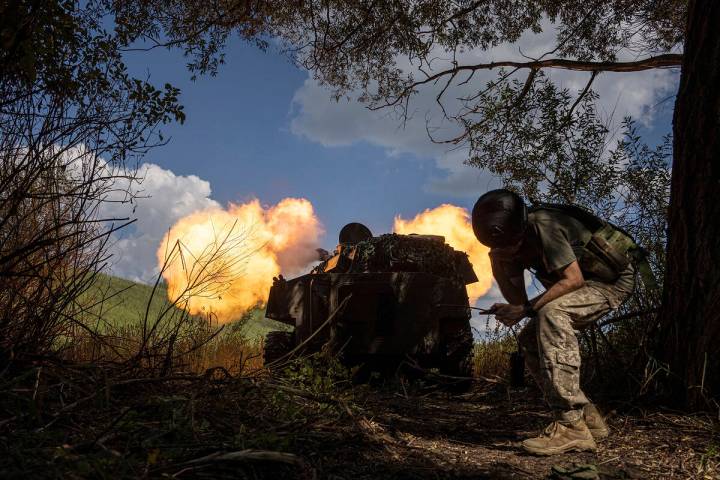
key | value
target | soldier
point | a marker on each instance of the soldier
(353, 233)
(582, 284)
(350, 234)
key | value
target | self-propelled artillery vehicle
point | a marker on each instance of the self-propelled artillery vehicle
(380, 302)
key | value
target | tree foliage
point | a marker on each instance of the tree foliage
(72, 122)
(366, 45)
(553, 147)
(523, 129)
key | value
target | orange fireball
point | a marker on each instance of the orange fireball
(453, 223)
(222, 261)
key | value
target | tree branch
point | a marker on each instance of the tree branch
(669, 60)
(582, 94)
(526, 88)
(464, 11)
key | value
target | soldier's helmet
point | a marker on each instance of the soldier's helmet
(353, 233)
(499, 218)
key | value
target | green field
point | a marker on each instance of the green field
(126, 301)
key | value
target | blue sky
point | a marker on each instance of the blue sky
(264, 129)
(238, 137)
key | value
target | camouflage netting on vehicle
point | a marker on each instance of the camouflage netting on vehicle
(403, 253)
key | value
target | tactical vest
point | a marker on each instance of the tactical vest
(610, 248)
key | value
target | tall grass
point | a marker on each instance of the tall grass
(491, 357)
(199, 347)
(148, 333)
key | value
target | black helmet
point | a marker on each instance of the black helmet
(499, 218)
(354, 233)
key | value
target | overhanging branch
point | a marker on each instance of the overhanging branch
(669, 60)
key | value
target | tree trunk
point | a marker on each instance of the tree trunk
(690, 317)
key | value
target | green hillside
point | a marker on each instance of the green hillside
(126, 301)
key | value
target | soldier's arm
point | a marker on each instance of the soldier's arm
(510, 279)
(559, 257)
(571, 280)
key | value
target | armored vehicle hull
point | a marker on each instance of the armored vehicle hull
(377, 319)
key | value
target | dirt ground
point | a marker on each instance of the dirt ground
(477, 435)
(270, 428)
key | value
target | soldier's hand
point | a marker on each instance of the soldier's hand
(509, 315)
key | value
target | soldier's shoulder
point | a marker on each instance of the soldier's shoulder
(543, 216)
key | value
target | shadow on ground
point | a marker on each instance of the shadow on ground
(437, 435)
(477, 435)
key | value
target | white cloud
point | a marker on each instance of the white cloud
(164, 198)
(160, 199)
(317, 117)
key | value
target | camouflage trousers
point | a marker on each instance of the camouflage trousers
(551, 348)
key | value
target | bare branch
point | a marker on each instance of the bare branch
(670, 60)
(582, 95)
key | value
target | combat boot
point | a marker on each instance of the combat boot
(561, 438)
(595, 422)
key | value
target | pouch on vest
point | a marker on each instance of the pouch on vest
(609, 251)
(612, 247)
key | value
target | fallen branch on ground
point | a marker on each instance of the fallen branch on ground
(248, 456)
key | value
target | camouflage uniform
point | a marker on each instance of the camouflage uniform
(551, 348)
(552, 242)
